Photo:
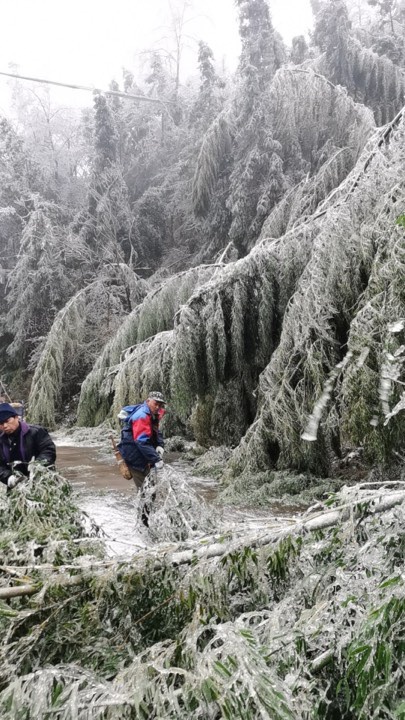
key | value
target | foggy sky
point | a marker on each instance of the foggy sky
(88, 42)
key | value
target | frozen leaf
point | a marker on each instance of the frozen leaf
(396, 327)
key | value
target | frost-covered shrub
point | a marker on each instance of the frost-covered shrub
(42, 523)
(154, 315)
(212, 462)
(77, 334)
(222, 340)
(301, 618)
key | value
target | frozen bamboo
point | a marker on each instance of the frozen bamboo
(328, 519)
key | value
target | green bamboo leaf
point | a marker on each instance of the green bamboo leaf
(7, 611)
(221, 669)
(391, 581)
(399, 712)
(209, 690)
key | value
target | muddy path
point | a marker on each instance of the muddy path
(110, 501)
(88, 467)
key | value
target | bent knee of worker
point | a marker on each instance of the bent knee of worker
(138, 477)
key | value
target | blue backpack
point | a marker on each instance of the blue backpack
(124, 416)
(126, 413)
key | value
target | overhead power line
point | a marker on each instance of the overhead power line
(116, 93)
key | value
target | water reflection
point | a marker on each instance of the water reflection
(104, 495)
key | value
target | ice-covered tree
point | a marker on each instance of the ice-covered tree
(15, 195)
(156, 314)
(341, 338)
(78, 333)
(158, 79)
(370, 78)
(257, 180)
(299, 50)
(388, 32)
(209, 101)
(239, 173)
(332, 35)
(53, 140)
(309, 133)
(150, 228)
(105, 139)
(39, 284)
(262, 51)
(278, 332)
(107, 225)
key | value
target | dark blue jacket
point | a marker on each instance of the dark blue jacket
(34, 443)
(140, 436)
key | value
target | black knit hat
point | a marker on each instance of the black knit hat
(6, 412)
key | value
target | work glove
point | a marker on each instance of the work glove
(160, 451)
(159, 465)
(12, 481)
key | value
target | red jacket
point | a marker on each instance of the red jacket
(139, 438)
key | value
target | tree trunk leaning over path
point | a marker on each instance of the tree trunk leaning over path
(374, 503)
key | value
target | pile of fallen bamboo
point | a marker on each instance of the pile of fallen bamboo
(270, 618)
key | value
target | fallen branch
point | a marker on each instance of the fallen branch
(17, 591)
(321, 521)
(370, 506)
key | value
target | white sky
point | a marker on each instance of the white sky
(87, 42)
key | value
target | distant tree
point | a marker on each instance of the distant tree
(369, 78)
(389, 11)
(158, 161)
(158, 79)
(207, 70)
(332, 35)
(299, 50)
(20, 174)
(39, 284)
(115, 106)
(239, 161)
(20, 184)
(54, 140)
(20, 177)
(213, 167)
(150, 229)
(179, 10)
(262, 51)
(167, 58)
(388, 33)
(112, 217)
(105, 137)
(104, 199)
(256, 181)
(210, 96)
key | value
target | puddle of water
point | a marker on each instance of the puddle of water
(110, 500)
(104, 495)
(87, 465)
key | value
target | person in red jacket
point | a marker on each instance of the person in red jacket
(142, 443)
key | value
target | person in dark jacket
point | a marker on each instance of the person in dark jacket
(19, 444)
(142, 444)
